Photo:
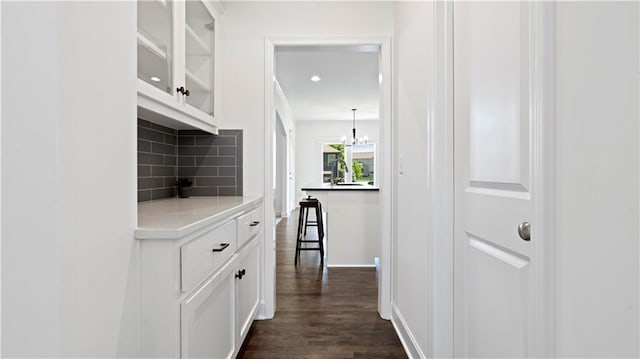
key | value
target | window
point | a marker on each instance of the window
(335, 166)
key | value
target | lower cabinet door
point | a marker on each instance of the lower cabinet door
(208, 318)
(248, 288)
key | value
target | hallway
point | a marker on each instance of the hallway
(328, 313)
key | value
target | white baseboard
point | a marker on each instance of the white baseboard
(409, 343)
(351, 265)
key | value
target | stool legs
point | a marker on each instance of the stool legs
(303, 223)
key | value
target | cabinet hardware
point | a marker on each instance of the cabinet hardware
(182, 90)
(223, 246)
(241, 274)
(254, 223)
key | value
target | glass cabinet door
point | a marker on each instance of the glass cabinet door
(155, 28)
(199, 56)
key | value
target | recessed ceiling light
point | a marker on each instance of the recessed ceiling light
(156, 79)
(315, 78)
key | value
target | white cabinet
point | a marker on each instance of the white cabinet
(200, 292)
(248, 288)
(177, 67)
(208, 320)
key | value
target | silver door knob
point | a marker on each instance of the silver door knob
(524, 231)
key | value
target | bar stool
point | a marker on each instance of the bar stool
(306, 205)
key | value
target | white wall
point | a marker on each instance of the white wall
(311, 135)
(246, 24)
(597, 179)
(69, 133)
(413, 63)
(288, 122)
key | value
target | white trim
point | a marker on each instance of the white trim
(543, 141)
(441, 250)
(409, 342)
(384, 288)
(351, 265)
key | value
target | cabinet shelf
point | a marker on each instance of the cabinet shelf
(196, 84)
(151, 46)
(195, 45)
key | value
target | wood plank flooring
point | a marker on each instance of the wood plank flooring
(320, 312)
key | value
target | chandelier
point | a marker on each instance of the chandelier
(355, 140)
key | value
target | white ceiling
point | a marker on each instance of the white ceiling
(349, 80)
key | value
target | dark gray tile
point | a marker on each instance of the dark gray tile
(187, 171)
(144, 183)
(170, 160)
(198, 151)
(144, 171)
(144, 146)
(163, 193)
(144, 123)
(239, 176)
(150, 159)
(227, 151)
(215, 181)
(186, 141)
(193, 133)
(150, 183)
(170, 181)
(204, 191)
(163, 129)
(224, 141)
(163, 171)
(186, 161)
(227, 171)
(229, 132)
(170, 139)
(227, 191)
(144, 196)
(205, 140)
(150, 135)
(215, 161)
(163, 149)
(207, 171)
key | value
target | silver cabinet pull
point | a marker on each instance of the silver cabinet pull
(524, 231)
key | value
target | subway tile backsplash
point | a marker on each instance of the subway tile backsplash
(157, 157)
(214, 163)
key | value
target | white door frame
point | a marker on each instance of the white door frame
(385, 177)
(543, 145)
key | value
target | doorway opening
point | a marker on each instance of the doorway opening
(307, 108)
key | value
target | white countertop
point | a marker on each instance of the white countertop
(177, 217)
(331, 187)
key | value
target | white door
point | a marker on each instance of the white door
(493, 160)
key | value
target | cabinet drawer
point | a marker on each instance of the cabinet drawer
(249, 225)
(203, 255)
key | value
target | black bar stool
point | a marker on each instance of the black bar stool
(306, 205)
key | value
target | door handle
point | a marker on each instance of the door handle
(524, 231)
(254, 223)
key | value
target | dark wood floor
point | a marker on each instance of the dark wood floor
(320, 312)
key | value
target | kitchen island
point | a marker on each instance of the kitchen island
(352, 223)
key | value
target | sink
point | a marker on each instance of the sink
(348, 184)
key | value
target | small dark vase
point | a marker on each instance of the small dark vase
(184, 192)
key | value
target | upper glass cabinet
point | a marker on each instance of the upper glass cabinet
(199, 56)
(177, 52)
(155, 53)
